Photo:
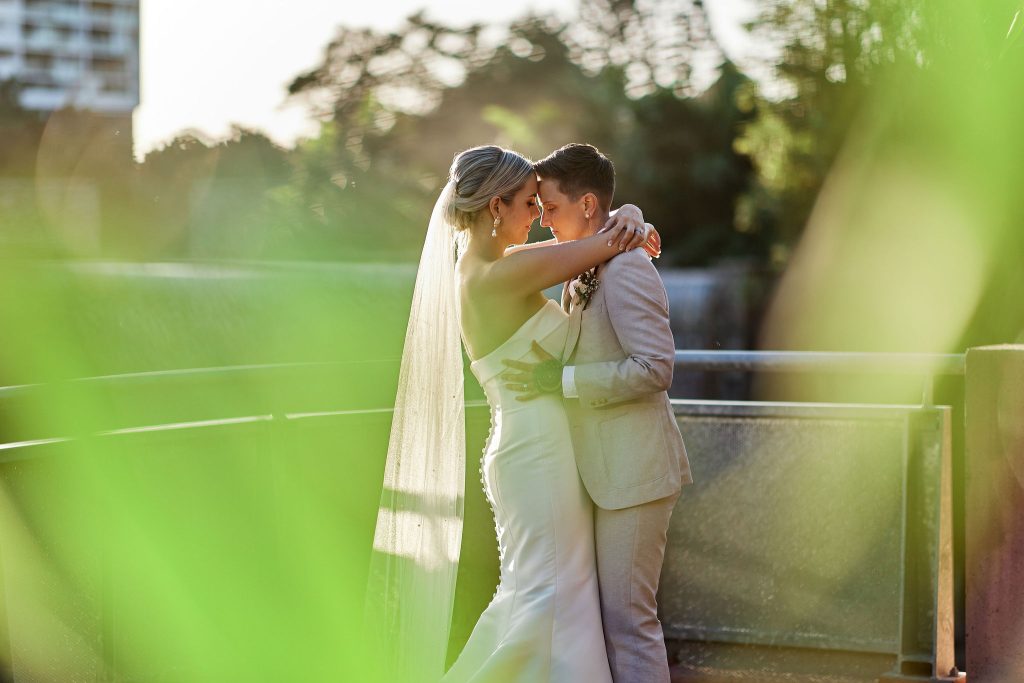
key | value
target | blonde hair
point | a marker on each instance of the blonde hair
(480, 173)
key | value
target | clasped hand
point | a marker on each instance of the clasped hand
(630, 232)
(531, 380)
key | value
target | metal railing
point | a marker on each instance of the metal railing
(822, 361)
(895, 456)
(926, 365)
(156, 382)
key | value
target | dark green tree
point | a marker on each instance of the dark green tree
(654, 42)
(831, 54)
(403, 104)
(679, 160)
(213, 199)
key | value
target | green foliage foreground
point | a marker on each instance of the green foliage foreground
(885, 183)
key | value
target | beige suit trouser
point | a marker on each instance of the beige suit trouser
(630, 545)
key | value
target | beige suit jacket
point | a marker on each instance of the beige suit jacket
(628, 447)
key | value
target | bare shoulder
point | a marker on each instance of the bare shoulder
(472, 271)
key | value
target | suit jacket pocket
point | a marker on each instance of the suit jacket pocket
(633, 448)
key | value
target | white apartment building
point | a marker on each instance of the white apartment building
(81, 53)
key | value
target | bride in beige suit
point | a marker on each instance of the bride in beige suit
(618, 366)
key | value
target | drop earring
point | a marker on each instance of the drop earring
(497, 222)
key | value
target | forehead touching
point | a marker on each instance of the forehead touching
(551, 191)
(530, 186)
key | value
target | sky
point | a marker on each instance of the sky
(206, 65)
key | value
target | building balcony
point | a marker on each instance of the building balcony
(50, 98)
(119, 19)
(44, 40)
(112, 47)
(51, 78)
(52, 42)
(50, 14)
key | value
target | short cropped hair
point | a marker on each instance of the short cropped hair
(578, 169)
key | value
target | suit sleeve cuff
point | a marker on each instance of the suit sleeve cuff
(569, 382)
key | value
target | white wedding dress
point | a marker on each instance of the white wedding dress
(544, 623)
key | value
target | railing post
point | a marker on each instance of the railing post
(995, 514)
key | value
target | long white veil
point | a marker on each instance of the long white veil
(416, 544)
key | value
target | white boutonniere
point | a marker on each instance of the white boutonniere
(582, 287)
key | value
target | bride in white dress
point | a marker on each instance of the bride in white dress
(544, 622)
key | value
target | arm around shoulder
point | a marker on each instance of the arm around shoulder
(534, 270)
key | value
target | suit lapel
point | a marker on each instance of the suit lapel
(575, 317)
(572, 335)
